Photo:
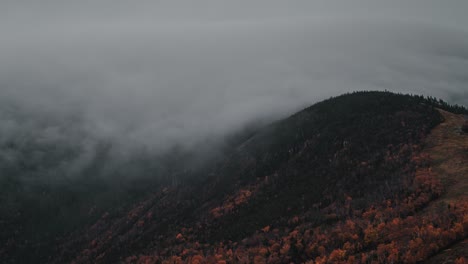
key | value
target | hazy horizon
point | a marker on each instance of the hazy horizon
(160, 74)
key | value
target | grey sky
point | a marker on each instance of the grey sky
(158, 72)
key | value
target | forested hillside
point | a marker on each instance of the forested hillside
(366, 177)
(346, 180)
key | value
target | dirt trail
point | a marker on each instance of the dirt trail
(448, 148)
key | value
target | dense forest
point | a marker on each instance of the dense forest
(347, 180)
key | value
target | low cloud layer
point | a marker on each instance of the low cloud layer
(155, 75)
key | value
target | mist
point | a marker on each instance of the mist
(146, 77)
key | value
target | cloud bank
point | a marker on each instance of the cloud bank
(154, 75)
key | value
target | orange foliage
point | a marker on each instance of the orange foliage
(180, 237)
(394, 230)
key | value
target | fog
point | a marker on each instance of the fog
(154, 74)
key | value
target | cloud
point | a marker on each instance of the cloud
(154, 75)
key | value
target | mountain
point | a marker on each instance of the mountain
(360, 178)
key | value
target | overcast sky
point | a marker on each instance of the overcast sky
(158, 72)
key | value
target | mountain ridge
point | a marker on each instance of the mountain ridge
(362, 177)
(266, 187)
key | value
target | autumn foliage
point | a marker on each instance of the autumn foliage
(327, 185)
(393, 231)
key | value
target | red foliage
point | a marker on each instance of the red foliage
(394, 229)
(390, 232)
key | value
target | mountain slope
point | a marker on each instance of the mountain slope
(331, 183)
(447, 146)
(367, 176)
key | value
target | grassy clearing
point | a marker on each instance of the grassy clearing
(448, 149)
